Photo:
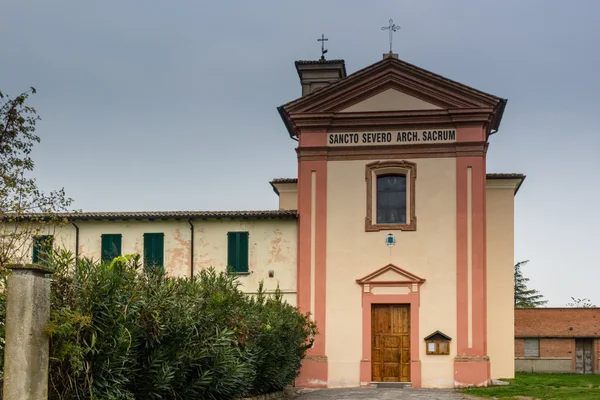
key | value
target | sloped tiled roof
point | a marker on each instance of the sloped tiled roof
(488, 176)
(498, 175)
(320, 62)
(285, 180)
(308, 62)
(502, 175)
(260, 214)
(281, 180)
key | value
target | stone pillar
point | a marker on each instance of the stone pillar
(27, 345)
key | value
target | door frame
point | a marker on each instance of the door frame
(413, 300)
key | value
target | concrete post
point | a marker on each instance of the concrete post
(27, 345)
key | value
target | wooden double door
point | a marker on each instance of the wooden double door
(584, 356)
(390, 342)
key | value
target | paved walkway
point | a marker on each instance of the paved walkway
(382, 394)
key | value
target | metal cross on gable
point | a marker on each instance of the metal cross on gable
(392, 28)
(323, 51)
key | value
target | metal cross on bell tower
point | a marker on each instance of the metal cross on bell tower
(392, 28)
(323, 51)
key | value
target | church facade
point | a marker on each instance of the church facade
(394, 236)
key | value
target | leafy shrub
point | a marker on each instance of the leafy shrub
(278, 341)
(118, 331)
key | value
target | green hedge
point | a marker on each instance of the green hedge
(121, 332)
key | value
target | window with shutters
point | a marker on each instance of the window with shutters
(532, 347)
(42, 249)
(237, 252)
(154, 250)
(391, 196)
(111, 246)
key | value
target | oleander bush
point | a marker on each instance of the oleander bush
(119, 331)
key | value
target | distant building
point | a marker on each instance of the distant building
(393, 235)
(563, 340)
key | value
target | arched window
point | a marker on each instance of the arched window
(391, 199)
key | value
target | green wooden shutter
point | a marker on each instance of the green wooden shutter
(42, 249)
(231, 250)
(243, 252)
(154, 249)
(111, 247)
(237, 251)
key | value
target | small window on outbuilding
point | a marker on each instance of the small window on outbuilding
(532, 347)
(438, 343)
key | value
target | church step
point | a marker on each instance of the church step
(398, 385)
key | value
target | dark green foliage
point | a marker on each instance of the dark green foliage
(274, 337)
(119, 331)
(525, 297)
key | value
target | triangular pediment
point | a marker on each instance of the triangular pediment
(391, 100)
(390, 274)
(406, 86)
(437, 335)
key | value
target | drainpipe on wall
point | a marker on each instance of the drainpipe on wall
(191, 247)
(76, 242)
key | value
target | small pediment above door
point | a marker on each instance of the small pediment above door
(391, 100)
(390, 274)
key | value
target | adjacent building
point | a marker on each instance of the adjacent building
(394, 235)
(557, 340)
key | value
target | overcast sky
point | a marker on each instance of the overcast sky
(155, 105)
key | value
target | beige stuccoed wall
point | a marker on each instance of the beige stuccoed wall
(429, 252)
(177, 240)
(272, 246)
(500, 276)
(22, 247)
(391, 100)
(288, 197)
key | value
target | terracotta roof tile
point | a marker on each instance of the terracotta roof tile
(505, 176)
(285, 180)
(260, 214)
(307, 62)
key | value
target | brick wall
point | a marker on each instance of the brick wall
(557, 347)
(549, 347)
(519, 347)
(557, 330)
(557, 322)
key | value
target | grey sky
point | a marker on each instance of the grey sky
(150, 105)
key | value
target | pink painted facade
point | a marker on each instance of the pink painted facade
(447, 126)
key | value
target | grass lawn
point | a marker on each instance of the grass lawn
(543, 386)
